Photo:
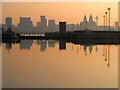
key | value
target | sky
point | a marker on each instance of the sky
(71, 12)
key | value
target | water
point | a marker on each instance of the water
(54, 64)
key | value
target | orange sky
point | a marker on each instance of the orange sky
(72, 12)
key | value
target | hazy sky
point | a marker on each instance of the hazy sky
(72, 12)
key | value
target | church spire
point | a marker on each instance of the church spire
(85, 19)
(90, 18)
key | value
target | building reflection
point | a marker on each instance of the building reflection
(8, 46)
(51, 43)
(62, 45)
(85, 48)
(25, 44)
(44, 44)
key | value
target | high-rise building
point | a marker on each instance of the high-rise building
(43, 23)
(25, 25)
(8, 22)
(62, 27)
(51, 25)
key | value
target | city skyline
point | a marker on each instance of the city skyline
(25, 25)
(60, 44)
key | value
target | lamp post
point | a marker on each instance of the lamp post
(103, 22)
(106, 20)
(109, 18)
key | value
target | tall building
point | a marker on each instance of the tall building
(62, 27)
(51, 25)
(8, 22)
(25, 25)
(42, 25)
(83, 25)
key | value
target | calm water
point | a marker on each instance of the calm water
(54, 64)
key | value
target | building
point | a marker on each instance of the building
(116, 26)
(88, 25)
(72, 27)
(25, 25)
(62, 27)
(83, 25)
(42, 25)
(8, 22)
(51, 26)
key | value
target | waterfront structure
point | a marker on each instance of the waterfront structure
(116, 26)
(83, 25)
(25, 25)
(51, 26)
(72, 27)
(8, 22)
(42, 25)
(62, 27)
(88, 25)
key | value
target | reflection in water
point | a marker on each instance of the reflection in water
(8, 46)
(59, 64)
(106, 53)
(62, 45)
(87, 46)
(51, 43)
(43, 44)
(27, 44)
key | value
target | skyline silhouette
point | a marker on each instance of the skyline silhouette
(60, 44)
(26, 26)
